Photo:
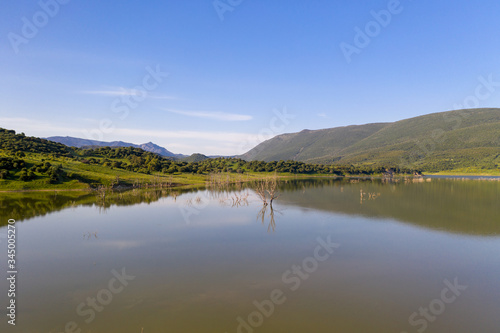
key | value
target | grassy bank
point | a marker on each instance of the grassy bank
(74, 175)
(467, 172)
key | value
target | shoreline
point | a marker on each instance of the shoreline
(496, 175)
(471, 176)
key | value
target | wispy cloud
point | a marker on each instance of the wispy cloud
(120, 244)
(212, 115)
(322, 115)
(229, 137)
(117, 92)
(36, 126)
(121, 91)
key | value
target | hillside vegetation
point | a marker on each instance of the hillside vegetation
(34, 163)
(312, 145)
(461, 140)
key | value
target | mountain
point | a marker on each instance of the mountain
(151, 147)
(79, 143)
(311, 145)
(438, 141)
(194, 158)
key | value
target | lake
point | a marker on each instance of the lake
(330, 255)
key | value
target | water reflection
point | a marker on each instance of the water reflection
(459, 206)
(26, 205)
(90, 235)
(262, 216)
(203, 276)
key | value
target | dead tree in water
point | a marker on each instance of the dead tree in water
(272, 190)
(102, 192)
(260, 189)
(262, 216)
(267, 190)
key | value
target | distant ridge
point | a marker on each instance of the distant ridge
(81, 143)
(438, 141)
(195, 158)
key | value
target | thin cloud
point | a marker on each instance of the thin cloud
(120, 244)
(121, 91)
(162, 96)
(213, 115)
(38, 126)
(230, 137)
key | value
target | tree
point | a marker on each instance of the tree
(4, 174)
(26, 175)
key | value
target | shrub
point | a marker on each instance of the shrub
(4, 174)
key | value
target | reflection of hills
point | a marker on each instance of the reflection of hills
(468, 207)
(26, 205)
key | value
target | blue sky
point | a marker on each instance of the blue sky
(85, 69)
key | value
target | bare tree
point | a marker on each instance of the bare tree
(267, 190)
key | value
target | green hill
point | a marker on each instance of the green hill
(35, 163)
(195, 158)
(453, 140)
(311, 145)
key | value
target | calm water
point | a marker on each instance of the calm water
(331, 256)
